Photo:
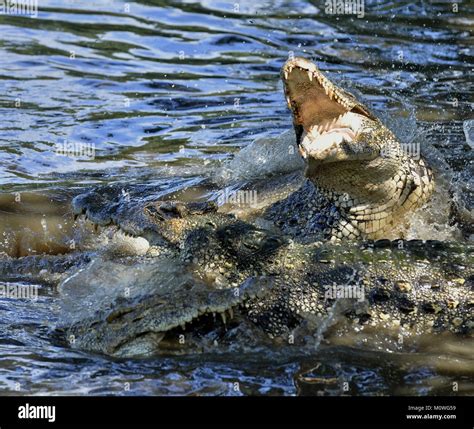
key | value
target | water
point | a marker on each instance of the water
(164, 92)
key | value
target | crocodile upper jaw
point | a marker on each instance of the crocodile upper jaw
(324, 115)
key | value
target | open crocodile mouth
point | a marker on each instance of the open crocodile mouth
(323, 114)
(163, 318)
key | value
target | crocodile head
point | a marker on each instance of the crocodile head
(351, 156)
(324, 115)
(164, 303)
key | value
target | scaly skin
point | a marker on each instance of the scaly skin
(260, 281)
(248, 274)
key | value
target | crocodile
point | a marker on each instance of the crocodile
(327, 242)
(265, 286)
(352, 158)
(361, 184)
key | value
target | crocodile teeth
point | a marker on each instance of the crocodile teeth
(231, 313)
(310, 75)
(286, 75)
(224, 319)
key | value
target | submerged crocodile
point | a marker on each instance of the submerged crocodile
(263, 285)
(286, 270)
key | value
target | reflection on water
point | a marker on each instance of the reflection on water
(166, 91)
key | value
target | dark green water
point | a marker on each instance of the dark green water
(163, 89)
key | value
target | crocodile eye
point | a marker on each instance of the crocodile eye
(274, 241)
(154, 213)
(211, 224)
(251, 245)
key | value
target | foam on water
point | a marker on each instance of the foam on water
(264, 157)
